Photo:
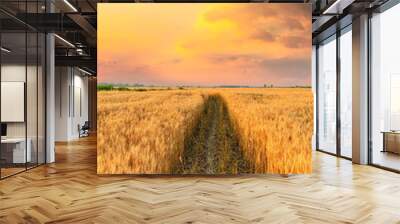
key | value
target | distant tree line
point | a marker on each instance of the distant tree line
(141, 87)
(117, 86)
(295, 86)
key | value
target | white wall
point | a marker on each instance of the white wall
(80, 89)
(13, 101)
(33, 126)
(16, 73)
(71, 93)
(62, 85)
(13, 72)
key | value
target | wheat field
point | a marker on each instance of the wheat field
(146, 132)
(143, 132)
(274, 128)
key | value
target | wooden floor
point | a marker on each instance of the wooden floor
(387, 159)
(5, 172)
(69, 191)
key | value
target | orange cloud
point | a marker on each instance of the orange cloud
(204, 44)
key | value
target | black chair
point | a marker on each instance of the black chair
(84, 130)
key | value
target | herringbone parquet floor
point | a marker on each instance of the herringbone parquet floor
(69, 191)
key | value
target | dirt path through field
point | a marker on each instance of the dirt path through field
(213, 148)
(211, 138)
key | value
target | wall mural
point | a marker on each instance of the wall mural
(205, 88)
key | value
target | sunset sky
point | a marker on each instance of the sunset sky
(204, 44)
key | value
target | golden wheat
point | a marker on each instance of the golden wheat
(144, 132)
(274, 127)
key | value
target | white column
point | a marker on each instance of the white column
(50, 92)
(50, 99)
(360, 89)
